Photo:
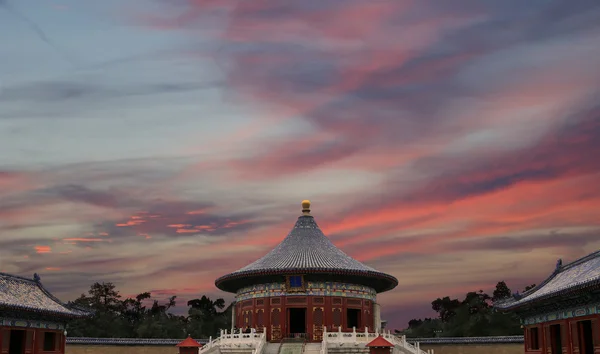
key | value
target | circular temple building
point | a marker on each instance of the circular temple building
(304, 284)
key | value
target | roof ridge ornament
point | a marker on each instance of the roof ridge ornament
(558, 265)
(306, 207)
(36, 278)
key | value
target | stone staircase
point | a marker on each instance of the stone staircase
(312, 348)
(349, 349)
(235, 350)
(291, 348)
(271, 348)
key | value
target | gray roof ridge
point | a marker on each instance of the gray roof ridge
(506, 303)
(580, 261)
(38, 283)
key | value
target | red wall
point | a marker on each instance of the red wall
(34, 340)
(569, 335)
(271, 312)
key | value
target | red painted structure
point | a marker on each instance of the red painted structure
(188, 346)
(273, 313)
(32, 320)
(562, 314)
(306, 284)
(380, 345)
(32, 341)
(564, 336)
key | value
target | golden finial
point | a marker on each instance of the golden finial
(306, 207)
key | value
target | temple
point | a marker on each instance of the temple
(32, 320)
(306, 284)
(306, 296)
(562, 314)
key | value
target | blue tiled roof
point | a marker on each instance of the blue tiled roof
(306, 250)
(468, 340)
(24, 294)
(127, 341)
(580, 274)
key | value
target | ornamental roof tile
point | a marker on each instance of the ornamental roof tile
(307, 250)
(580, 274)
(29, 295)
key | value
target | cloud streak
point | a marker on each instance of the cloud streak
(452, 138)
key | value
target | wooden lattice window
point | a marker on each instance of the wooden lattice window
(337, 317)
(318, 316)
(318, 300)
(260, 318)
(275, 317)
(247, 303)
(354, 302)
(276, 301)
(296, 300)
(336, 301)
(260, 302)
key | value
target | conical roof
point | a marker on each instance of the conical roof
(189, 342)
(306, 250)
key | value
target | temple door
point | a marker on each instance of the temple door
(336, 317)
(4, 340)
(548, 342)
(260, 320)
(564, 338)
(275, 324)
(596, 334)
(318, 313)
(574, 337)
(29, 340)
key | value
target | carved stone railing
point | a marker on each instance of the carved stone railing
(253, 340)
(355, 338)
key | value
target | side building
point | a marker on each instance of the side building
(32, 320)
(562, 314)
(306, 284)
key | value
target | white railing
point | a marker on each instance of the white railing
(355, 338)
(261, 342)
(253, 340)
(212, 343)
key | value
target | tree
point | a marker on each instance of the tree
(445, 308)
(205, 318)
(473, 316)
(144, 317)
(501, 292)
(529, 287)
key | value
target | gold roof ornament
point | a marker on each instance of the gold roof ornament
(306, 207)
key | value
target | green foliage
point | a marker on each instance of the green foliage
(474, 316)
(133, 318)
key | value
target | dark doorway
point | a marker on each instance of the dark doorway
(353, 318)
(17, 342)
(555, 339)
(586, 341)
(297, 321)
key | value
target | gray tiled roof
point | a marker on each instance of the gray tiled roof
(580, 274)
(24, 294)
(304, 249)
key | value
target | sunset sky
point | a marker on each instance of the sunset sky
(159, 144)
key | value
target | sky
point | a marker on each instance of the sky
(161, 144)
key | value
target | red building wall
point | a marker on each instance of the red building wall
(570, 333)
(329, 311)
(33, 340)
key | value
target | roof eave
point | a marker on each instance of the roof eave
(44, 312)
(220, 283)
(513, 305)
